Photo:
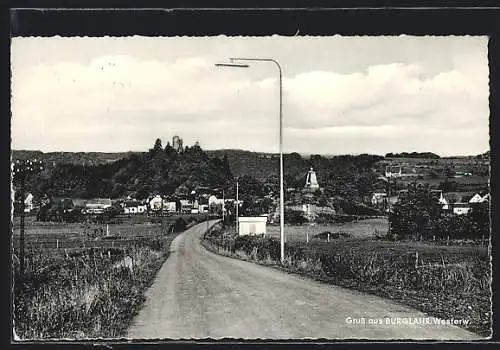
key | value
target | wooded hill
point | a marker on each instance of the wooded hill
(163, 170)
(160, 170)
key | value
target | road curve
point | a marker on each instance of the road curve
(199, 294)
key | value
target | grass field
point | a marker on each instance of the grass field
(85, 289)
(46, 235)
(360, 229)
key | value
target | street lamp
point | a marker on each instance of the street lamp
(22, 170)
(282, 198)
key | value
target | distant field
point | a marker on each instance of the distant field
(43, 235)
(361, 229)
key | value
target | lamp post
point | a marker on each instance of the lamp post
(237, 205)
(21, 170)
(282, 198)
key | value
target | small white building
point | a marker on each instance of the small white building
(461, 208)
(203, 208)
(252, 225)
(169, 207)
(130, 210)
(378, 197)
(156, 202)
(98, 205)
(393, 171)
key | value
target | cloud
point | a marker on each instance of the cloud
(392, 94)
(124, 101)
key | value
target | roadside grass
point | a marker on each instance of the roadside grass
(443, 281)
(89, 293)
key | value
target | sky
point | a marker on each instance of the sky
(341, 95)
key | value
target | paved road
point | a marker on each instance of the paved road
(198, 294)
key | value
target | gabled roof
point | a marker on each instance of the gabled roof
(458, 197)
(129, 204)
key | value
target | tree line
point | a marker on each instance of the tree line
(419, 216)
(160, 170)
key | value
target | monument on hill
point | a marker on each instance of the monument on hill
(311, 181)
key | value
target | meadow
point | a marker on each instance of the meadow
(356, 229)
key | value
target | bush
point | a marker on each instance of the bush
(294, 217)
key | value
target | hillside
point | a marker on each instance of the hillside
(157, 171)
(80, 158)
(164, 170)
(258, 165)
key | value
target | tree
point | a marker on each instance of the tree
(479, 217)
(294, 217)
(322, 200)
(157, 147)
(416, 215)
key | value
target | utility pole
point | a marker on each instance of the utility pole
(223, 205)
(237, 205)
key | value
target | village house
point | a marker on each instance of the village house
(379, 197)
(460, 203)
(134, 207)
(189, 206)
(393, 171)
(28, 203)
(158, 203)
(203, 208)
(213, 200)
(461, 208)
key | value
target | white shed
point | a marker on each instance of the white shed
(251, 225)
